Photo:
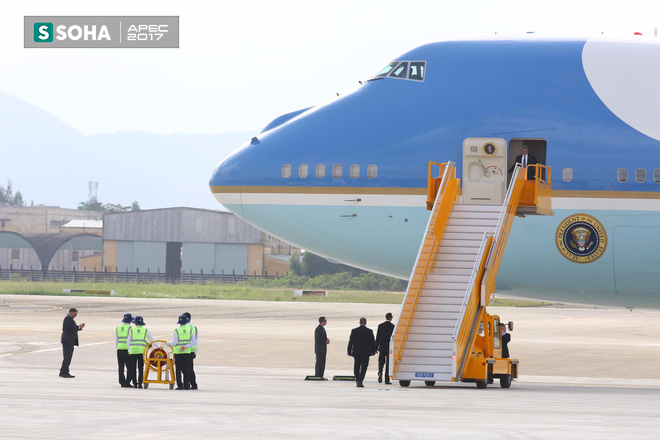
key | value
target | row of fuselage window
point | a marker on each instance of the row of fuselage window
(621, 175)
(372, 172)
(337, 171)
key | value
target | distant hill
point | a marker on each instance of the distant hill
(51, 163)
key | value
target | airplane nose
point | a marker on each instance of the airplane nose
(226, 181)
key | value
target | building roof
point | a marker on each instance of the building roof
(87, 224)
(182, 225)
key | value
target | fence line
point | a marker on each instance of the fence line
(94, 276)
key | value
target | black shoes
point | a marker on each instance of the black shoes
(380, 378)
(359, 385)
(387, 382)
(67, 375)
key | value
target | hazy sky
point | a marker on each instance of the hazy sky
(242, 63)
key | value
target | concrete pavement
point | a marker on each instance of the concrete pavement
(585, 373)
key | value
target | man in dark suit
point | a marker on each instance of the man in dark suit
(506, 338)
(361, 345)
(383, 336)
(69, 340)
(524, 160)
(321, 342)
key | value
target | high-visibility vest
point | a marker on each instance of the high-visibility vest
(194, 330)
(183, 333)
(138, 340)
(122, 336)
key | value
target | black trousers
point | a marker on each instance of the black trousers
(384, 360)
(360, 364)
(122, 365)
(135, 361)
(193, 377)
(67, 352)
(319, 369)
(182, 367)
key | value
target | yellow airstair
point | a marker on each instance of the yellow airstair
(444, 332)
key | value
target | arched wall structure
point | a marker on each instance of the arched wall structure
(47, 244)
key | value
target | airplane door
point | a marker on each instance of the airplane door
(484, 170)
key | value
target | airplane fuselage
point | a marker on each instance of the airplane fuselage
(347, 179)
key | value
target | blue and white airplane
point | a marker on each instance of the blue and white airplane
(347, 179)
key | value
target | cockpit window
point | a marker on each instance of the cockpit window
(401, 71)
(387, 69)
(410, 70)
(417, 69)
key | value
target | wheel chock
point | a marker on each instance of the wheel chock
(351, 378)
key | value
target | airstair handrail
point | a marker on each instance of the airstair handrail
(431, 241)
(507, 199)
(502, 230)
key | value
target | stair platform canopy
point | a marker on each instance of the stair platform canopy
(444, 310)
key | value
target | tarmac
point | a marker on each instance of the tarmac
(584, 373)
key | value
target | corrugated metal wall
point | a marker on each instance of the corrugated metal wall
(140, 255)
(182, 225)
(216, 257)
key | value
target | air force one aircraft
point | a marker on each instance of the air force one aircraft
(347, 179)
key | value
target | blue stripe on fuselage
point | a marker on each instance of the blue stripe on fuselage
(469, 91)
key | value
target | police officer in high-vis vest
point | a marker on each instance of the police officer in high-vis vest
(138, 338)
(121, 339)
(193, 354)
(182, 343)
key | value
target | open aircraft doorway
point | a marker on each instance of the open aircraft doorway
(537, 150)
(484, 171)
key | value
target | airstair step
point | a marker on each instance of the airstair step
(429, 338)
(461, 243)
(430, 314)
(427, 345)
(474, 213)
(431, 285)
(433, 322)
(432, 329)
(454, 264)
(457, 250)
(484, 217)
(472, 222)
(448, 278)
(463, 236)
(449, 293)
(444, 308)
(466, 229)
(476, 207)
(443, 259)
(421, 353)
(437, 304)
(466, 272)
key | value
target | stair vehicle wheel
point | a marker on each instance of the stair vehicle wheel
(171, 386)
(482, 384)
(145, 385)
(505, 381)
(429, 383)
(404, 383)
